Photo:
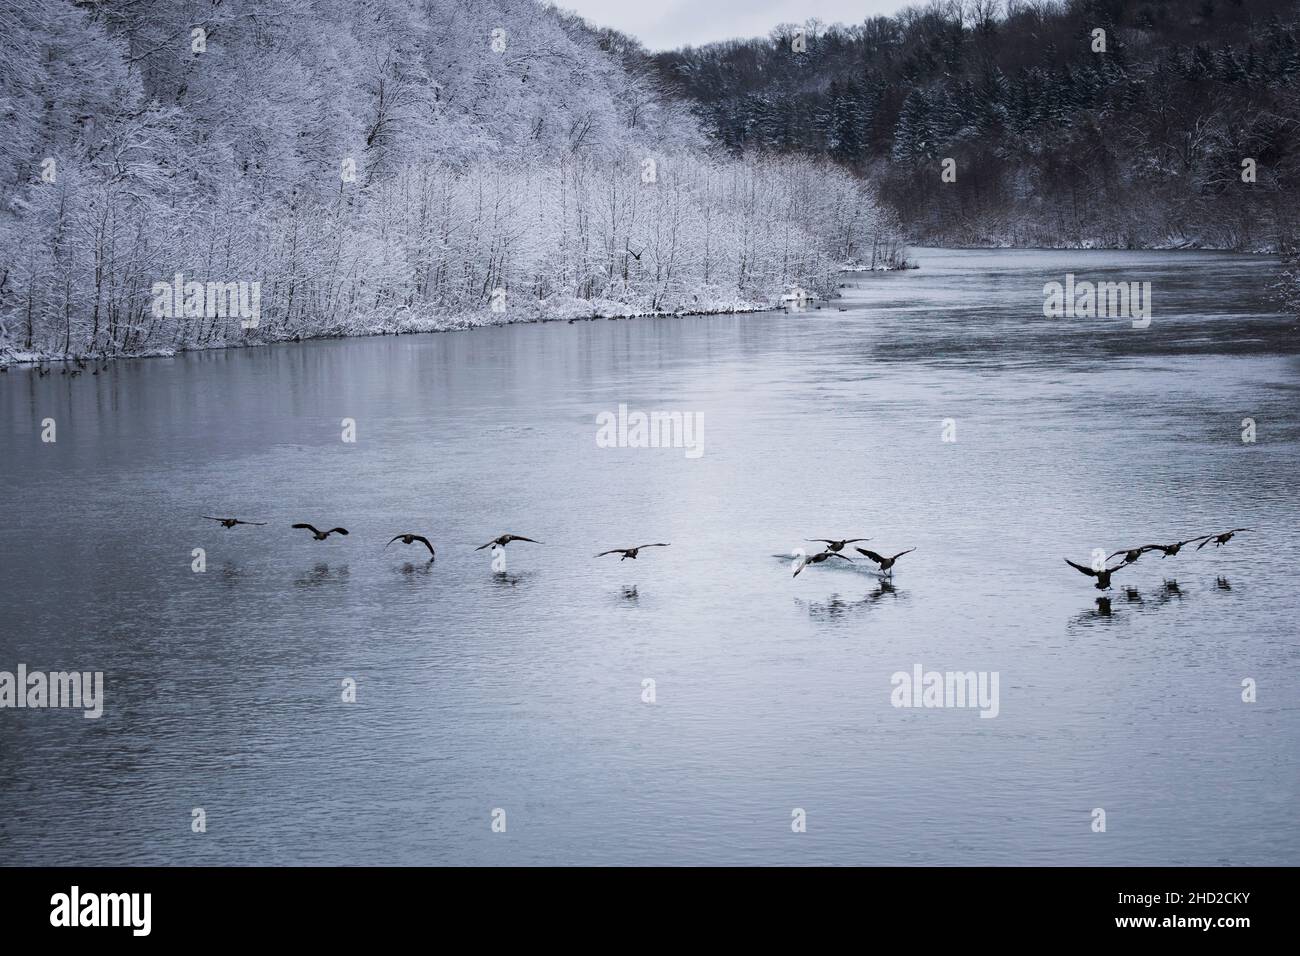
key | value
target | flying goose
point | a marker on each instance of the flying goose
(1220, 539)
(408, 538)
(231, 522)
(818, 559)
(1102, 576)
(835, 546)
(886, 564)
(317, 533)
(504, 540)
(1166, 550)
(1132, 554)
(630, 552)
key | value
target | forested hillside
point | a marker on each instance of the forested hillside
(1054, 142)
(373, 165)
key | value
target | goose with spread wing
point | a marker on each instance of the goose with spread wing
(408, 538)
(317, 533)
(1221, 539)
(504, 540)
(818, 559)
(630, 552)
(886, 564)
(1102, 576)
(836, 545)
(231, 522)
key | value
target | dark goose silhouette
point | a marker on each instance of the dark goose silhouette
(818, 559)
(1166, 550)
(1102, 576)
(317, 533)
(408, 538)
(231, 522)
(504, 540)
(1132, 554)
(630, 552)
(836, 545)
(886, 564)
(1220, 539)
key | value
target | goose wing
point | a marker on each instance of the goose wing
(337, 530)
(662, 544)
(879, 559)
(901, 553)
(612, 551)
(309, 527)
(1079, 567)
(424, 541)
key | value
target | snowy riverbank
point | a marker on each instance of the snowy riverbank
(404, 322)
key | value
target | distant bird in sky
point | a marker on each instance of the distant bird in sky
(630, 552)
(317, 533)
(411, 539)
(818, 559)
(504, 540)
(231, 522)
(1220, 539)
(886, 564)
(1102, 576)
(834, 545)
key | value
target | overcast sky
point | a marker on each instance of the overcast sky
(664, 24)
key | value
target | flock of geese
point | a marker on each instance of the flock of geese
(410, 537)
(835, 545)
(1131, 555)
(834, 548)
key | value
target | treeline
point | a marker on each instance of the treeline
(373, 165)
(1054, 143)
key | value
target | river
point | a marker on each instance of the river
(527, 691)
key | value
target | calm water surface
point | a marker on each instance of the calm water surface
(523, 691)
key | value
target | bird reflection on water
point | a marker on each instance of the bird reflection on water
(413, 571)
(836, 607)
(322, 574)
(1169, 592)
